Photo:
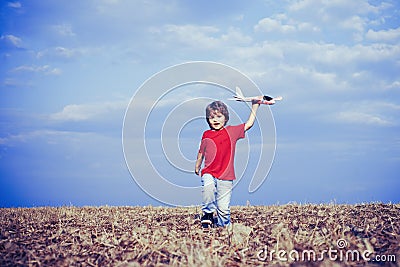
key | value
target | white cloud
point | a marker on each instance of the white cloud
(64, 29)
(60, 52)
(46, 69)
(271, 25)
(336, 15)
(202, 37)
(12, 40)
(14, 4)
(383, 35)
(49, 135)
(356, 23)
(332, 8)
(54, 71)
(235, 36)
(198, 36)
(283, 24)
(393, 85)
(362, 118)
(357, 54)
(75, 113)
(310, 54)
(83, 112)
(307, 27)
(372, 112)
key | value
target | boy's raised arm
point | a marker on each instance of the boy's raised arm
(252, 117)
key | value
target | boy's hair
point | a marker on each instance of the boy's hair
(217, 106)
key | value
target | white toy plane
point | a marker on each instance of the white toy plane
(264, 99)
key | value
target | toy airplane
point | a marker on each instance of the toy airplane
(266, 100)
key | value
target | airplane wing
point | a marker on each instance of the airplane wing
(240, 97)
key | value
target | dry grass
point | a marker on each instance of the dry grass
(159, 236)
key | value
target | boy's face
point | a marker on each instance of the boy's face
(217, 120)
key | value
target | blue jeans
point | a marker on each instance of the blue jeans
(217, 197)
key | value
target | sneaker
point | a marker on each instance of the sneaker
(207, 220)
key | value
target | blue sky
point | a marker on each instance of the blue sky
(69, 69)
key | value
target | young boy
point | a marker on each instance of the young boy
(217, 148)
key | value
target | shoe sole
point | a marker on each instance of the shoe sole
(206, 222)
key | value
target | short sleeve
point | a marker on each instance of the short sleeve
(237, 132)
(203, 144)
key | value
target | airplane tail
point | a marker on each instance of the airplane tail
(238, 96)
(239, 92)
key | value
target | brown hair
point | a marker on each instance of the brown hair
(217, 106)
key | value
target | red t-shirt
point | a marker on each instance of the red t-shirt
(218, 149)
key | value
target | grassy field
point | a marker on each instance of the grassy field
(292, 234)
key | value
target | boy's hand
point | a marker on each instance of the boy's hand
(197, 171)
(266, 101)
